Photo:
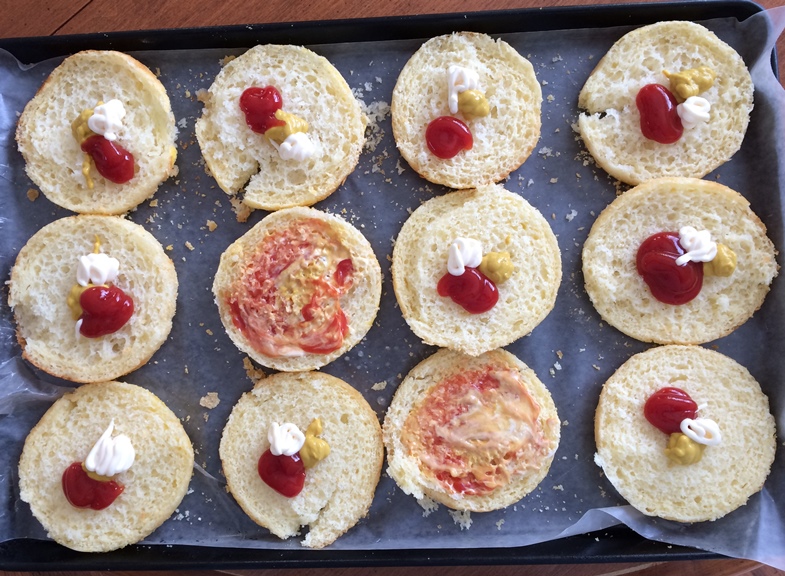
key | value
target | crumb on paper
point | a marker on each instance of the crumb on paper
(462, 518)
(571, 215)
(189, 245)
(559, 354)
(253, 373)
(210, 400)
(428, 505)
(499, 524)
(559, 487)
(153, 203)
(242, 210)
(554, 180)
(169, 247)
(379, 385)
(211, 226)
(32, 194)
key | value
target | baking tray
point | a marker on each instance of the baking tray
(616, 543)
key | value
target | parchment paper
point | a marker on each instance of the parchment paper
(572, 351)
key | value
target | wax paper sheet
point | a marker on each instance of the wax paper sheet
(572, 351)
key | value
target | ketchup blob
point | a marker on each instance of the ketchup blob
(669, 283)
(446, 136)
(104, 310)
(112, 161)
(472, 290)
(81, 491)
(659, 119)
(259, 106)
(667, 407)
(284, 474)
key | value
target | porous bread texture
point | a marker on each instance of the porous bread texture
(310, 88)
(610, 127)
(502, 222)
(52, 155)
(360, 304)
(622, 297)
(503, 140)
(154, 485)
(631, 451)
(406, 469)
(338, 490)
(45, 272)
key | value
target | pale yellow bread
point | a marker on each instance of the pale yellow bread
(622, 297)
(154, 485)
(339, 489)
(502, 222)
(503, 140)
(45, 272)
(631, 451)
(610, 127)
(52, 155)
(408, 470)
(359, 304)
(311, 88)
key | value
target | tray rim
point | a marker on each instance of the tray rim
(617, 543)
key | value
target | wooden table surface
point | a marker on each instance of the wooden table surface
(48, 17)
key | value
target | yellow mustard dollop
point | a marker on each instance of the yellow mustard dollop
(314, 449)
(96, 476)
(683, 450)
(497, 266)
(723, 264)
(81, 132)
(690, 82)
(293, 124)
(472, 103)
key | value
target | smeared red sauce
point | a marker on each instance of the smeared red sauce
(656, 263)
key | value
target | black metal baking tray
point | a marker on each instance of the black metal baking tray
(611, 545)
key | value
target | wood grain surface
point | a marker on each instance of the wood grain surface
(58, 17)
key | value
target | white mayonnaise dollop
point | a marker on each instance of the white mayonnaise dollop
(97, 269)
(698, 245)
(286, 439)
(460, 79)
(110, 456)
(701, 430)
(296, 147)
(107, 119)
(463, 252)
(693, 111)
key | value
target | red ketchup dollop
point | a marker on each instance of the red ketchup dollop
(667, 407)
(284, 474)
(81, 491)
(669, 283)
(446, 136)
(112, 161)
(659, 119)
(259, 106)
(104, 310)
(472, 290)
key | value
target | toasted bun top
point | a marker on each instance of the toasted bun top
(45, 272)
(310, 88)
(339, 489)
(409, 469)
(665, 205)
(631, 451)
(154, 485)
(359, 304)
(52, 154)
(502, 222)
(611, 126)
(503, 140)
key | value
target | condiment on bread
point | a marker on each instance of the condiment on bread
(475, 430)
(673, 265)
(89, 484)
(691, 82)
(96, 132)
(672, 411)
(446, 136)
(264, 114)
(282, 466)
(287, 299)
(98, 307)
(465, 282)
